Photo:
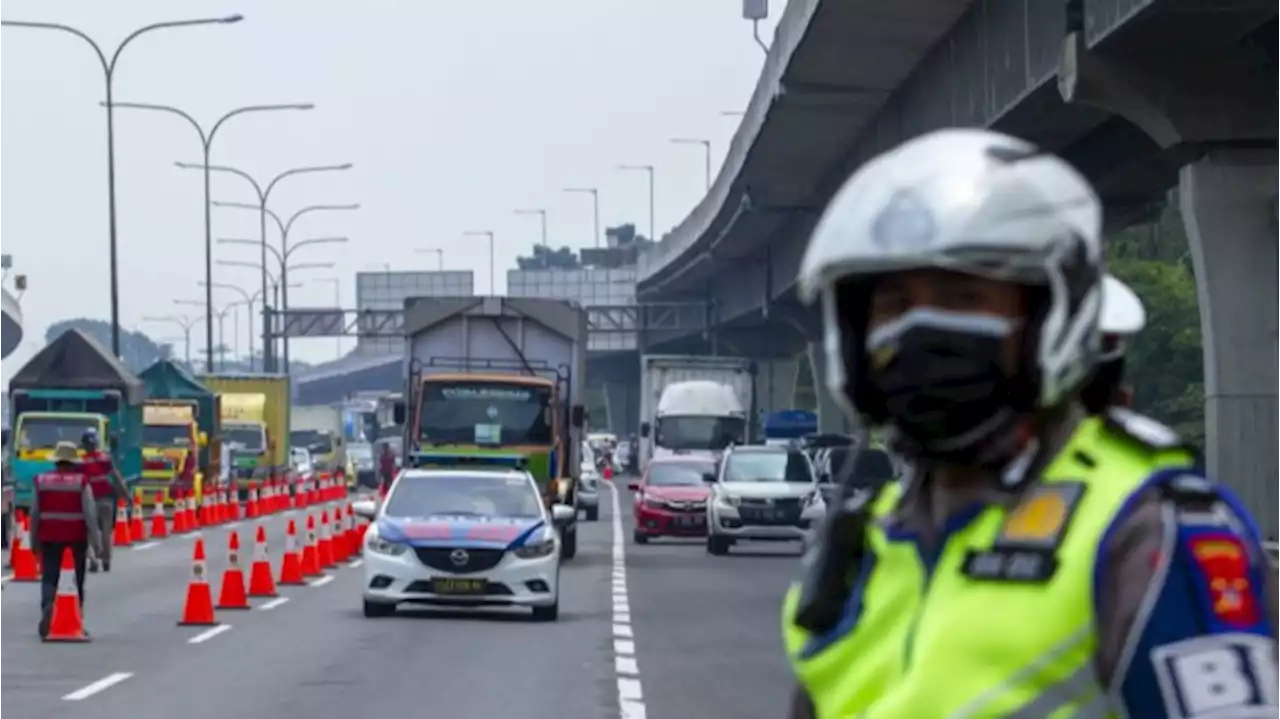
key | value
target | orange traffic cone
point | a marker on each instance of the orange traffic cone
(608, 472)
(291, 562)
(120, 537)
(66, 624)
(25, 565)
(179, 519)
(324, 547)
(261, 583)
(254, 510)
(353, 533)
(233, 502)
(342, 535)
(159, 527)
(137, 530)
(310, 555)
(233, 595)
(193, 519)
(197, 610)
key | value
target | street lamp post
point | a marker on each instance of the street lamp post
(595, 203)
(493, 286)
(109, 71)
(653, 229)
(206, 140)
(186, 323)
(337, 303)
(706, 147)
(439, 253)
(543, 215)
(283, 257)
(221, 316)
(247, 299)
(264, 194)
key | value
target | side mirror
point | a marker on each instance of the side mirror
(578, 416)
(644, 429)
(709, 478)
(633, 486)
(562, 514)
(366, 508)
(202, 439)
(398, 413)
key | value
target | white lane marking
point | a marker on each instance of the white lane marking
(104, 683)
(273, 604)
(231, 525)
(145, 545)
(205, 636)
(6, 578)
(321, 581)
(355, 563)
(630, 693)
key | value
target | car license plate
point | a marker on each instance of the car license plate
(693, 521)
(458, 587)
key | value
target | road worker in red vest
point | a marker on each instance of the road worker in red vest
(108, 487)
(62, 516)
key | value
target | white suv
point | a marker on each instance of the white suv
(762, 494)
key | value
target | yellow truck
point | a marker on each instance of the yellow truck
(171, 439)
(255, 423)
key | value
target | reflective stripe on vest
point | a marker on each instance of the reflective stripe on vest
(920, 643)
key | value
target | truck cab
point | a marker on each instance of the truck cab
(171, 440)
(697, 417)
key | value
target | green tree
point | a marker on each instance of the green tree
(545, 258)
(1166, 360)
(138, 351)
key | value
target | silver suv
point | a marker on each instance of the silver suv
(762, 493)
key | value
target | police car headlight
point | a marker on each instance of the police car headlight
(542, 547)
(378, 545)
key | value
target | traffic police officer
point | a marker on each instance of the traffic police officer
(107, 486)
(1035, 561)
(62, 517)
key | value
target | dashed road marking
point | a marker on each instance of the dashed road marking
(6, 578)
(104, 683)
(355, 563)
(205, 636)
(273, 604)
(321, 581)
(146, 545)
(630, 691)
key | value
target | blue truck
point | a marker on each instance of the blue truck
(70, 386)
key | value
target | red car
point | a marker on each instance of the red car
(671, 498)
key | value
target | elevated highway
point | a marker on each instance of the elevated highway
(11, 334)
(1143, 96)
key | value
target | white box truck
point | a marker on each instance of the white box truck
(694, 404)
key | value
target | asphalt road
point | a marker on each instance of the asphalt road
(663, 630)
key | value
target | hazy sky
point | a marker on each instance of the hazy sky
(453, 113)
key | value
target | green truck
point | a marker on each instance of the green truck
(498, 379)
(71, 386)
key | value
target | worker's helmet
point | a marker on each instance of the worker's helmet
(970, 201)
(1123, 316)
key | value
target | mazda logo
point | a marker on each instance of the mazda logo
(459, 557)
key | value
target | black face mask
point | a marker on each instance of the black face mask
(942, 380)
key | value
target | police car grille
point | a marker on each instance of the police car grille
(441, 558)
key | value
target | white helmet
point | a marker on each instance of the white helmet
(969, 201)
(1122, 312)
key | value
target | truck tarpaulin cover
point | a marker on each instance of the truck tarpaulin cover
(167, 380)
(76, 361)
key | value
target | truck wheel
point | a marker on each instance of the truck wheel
(593, 514)
(717, 546)
(569, 543)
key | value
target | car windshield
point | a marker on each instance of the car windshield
(360, 452)
(485, 413)
(166, 435)
(313, 440)
(767, 467)
(501, 495)
(46, 432)
(678, 474)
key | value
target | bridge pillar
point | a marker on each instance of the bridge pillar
(1228, 200)
(622, 406)
(831, 417)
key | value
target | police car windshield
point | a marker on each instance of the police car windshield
(678, 474)
(500, 495)
(767, 467)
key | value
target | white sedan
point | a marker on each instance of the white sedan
(463, 538)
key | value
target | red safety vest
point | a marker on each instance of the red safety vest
(96, 465)
(60, 495)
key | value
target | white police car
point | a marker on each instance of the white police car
(463, 538)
